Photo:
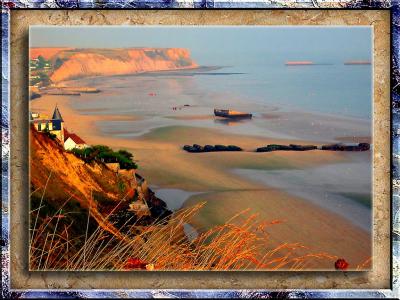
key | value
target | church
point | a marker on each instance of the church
(55, 126)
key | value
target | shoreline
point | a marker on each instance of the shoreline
(72, 81)
(164, 164)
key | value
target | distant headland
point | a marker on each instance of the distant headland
(61, 64)
(50, 67)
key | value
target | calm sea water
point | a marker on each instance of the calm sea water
(333, 89)
(337, 89)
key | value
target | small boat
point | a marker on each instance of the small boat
(227, 113)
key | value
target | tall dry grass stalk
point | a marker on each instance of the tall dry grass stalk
(241, 243)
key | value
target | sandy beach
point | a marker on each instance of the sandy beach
(211, 177)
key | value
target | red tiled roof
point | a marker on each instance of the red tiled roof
(66, 134)
(73, 137)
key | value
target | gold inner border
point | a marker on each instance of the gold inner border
(378, 278)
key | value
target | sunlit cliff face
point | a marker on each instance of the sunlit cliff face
(69, 174)
(102, 62)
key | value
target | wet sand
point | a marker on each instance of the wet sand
(340, 194)
(162, 162)
(354, 139)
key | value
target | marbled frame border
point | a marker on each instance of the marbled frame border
(111, 4)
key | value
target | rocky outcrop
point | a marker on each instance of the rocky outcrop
(78, 63)
(158, 211)
(209, 148)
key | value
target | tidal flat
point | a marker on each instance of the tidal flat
(125, 116)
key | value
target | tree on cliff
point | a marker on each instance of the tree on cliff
(107, 155)
(41, 62)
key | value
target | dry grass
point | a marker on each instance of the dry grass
(242, 243)
(232, 246)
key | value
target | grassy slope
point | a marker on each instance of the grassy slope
(69, 175)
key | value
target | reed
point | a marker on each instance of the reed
(242, 243)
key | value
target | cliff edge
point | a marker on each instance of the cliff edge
(77, 63)
(59, 179)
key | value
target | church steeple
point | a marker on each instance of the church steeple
(57, 114)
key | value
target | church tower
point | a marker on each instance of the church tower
(57, 125)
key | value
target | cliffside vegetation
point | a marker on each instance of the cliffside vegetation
(107, 155)
(242, 243)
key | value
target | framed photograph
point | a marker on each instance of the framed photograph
(161, 153)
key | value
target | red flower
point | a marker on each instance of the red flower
(134, 263)
(341, 264)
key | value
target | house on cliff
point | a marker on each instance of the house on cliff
(55, 125)
(73, 141)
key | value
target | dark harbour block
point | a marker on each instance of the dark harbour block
(220, 148)
(291, 147)
(209, 148)
(364, 146)
(263, 149)
(197, 148)
(342, 147)
(302, 147)
(234, 148)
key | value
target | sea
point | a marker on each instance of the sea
(336, 89)
(314, 102)
(328, 91)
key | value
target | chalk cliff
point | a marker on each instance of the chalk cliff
(78, 63)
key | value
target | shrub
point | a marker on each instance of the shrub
(41, 62)
(107, 155)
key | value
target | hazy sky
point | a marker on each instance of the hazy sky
(220, 45)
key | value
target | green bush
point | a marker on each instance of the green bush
(40, 62)
(107, 155)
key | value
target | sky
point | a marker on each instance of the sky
(218, 45)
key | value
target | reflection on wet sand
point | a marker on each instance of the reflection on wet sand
(230, 122)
